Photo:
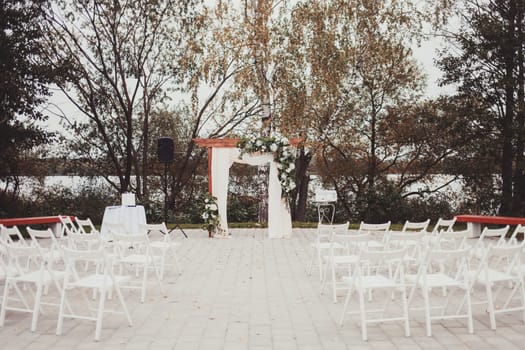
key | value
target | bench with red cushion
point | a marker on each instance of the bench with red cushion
(485, 219)
(32, 220)
(53, 221)
(475, 221)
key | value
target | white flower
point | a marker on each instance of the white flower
(259, 143)
(291, 166)
(273, 147)
(213, 207)
(204, 216)
(279, 166)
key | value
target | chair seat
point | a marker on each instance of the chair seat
(375, 244)
(435, 280)
(493, 276)
(164, 245)
(37, 276)
(326, 245)
(346, 259)
(97, 281)
(139, 259)
(371, 282)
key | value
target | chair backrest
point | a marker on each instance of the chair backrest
(68, 226)
(443, 225)
(11, 235)
(493, 233)
(155, 231)
(116, 228)
(455, 261)
(454, 239)
(389, 262)
(85, 226)
(84, 241)
(72, 256)
(123, 242)
(519, 230)
(325, 232)
(411, 226)
(37, 235)
(505, 259)
(374, 228)
(19, 256)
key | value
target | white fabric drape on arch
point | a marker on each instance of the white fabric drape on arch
(279, 219)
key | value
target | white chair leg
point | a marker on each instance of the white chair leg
(362, 314)
(427, 311)
(61, 312)
(490, 302)
(36, 308)
(100, 314)
(405, 313)
(4, 304)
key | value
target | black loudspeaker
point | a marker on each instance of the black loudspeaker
(165, 150)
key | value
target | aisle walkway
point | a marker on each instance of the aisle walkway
(249, 292)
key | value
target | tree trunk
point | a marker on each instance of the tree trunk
(507, 156)
(518, 205)
(302, 179)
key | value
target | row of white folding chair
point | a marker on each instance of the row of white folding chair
(40, 273)
(344, 248)
(451, 269)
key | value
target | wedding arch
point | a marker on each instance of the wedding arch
(222, 153)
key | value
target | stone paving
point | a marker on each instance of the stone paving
(249, 292)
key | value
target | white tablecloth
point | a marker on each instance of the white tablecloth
(129, 216)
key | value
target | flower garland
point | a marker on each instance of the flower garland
(282, 154)
(210, 214)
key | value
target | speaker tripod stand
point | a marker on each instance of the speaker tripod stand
(165, 149)
(165, 209)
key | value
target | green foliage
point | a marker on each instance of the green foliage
(23, 83)
(242, 208)
(87, 201)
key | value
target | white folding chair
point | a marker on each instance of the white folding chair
(135, 251)
(500, 266)
(343, 253)
(85, 226)
(443, 269)
(381, 230)
(38, 273)
(103, 280)
(161, 244)
(322, 244)
(389, 280)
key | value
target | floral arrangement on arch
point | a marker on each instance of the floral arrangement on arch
(282, 154)
(210, 214)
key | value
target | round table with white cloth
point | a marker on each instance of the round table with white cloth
(129, 216)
